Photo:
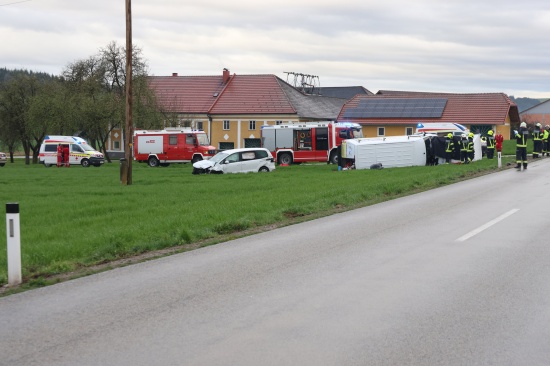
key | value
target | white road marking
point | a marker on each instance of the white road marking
(487, 225)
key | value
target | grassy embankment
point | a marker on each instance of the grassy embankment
(75, 218)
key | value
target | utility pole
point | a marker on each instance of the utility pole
(126, 170)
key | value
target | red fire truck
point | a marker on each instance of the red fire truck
(308, 141)
(178, 145)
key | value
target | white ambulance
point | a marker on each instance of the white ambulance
(80, 152)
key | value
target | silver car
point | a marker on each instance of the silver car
(3, 159)
(245, 160)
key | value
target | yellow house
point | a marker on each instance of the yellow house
(232, 109)
(391, 113)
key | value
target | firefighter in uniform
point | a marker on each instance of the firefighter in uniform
(545, 144)
(521, 145)
(449, 148)
(490, 144)
(463, 143)
(537, 140)
(470, 147)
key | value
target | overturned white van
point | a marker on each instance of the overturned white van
(391, 151)
(80, 152)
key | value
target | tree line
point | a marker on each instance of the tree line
(87, 99)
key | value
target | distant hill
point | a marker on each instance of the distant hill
(526, 103)
(7, 74)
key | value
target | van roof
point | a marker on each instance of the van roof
(55, 139)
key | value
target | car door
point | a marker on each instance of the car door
(232, 164)
(249, 163)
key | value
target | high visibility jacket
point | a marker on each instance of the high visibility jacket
(545, 135)
(463, 144)
(537, 134)
(490, 142)
(450, 145)
(470, 145)
(521, 137)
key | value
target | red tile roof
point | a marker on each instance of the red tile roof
(469, 109)
(252, 94)
(242, 94)
(189, 94)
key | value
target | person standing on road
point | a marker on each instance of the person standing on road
(521, 145)
(449, 148)
(537, 141)
(545, 144)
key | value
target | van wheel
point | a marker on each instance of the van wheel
(153, 162)
(285, 158)
(85, 163)
(264, 169)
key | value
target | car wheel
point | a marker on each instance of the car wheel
(153, 162)
(285, 158)
(85, 163)
(264, 169)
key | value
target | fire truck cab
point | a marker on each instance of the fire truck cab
(308, 141)
(178, 145)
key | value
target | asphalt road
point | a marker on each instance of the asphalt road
(455, 276)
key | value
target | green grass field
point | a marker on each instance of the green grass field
(74, 218)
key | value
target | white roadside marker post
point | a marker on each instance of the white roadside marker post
(14, 244)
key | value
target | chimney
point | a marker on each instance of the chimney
(174, 74)
(225, 76)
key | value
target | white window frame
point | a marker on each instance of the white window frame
(383, 129)
(251, 125)
(226, 125)
(407, 129)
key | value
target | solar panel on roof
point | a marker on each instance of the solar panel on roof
(398, 108)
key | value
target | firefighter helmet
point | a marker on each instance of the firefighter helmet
(538, 125)
(523, 124)
(490, 132)
(450, 135)
(471, 134)
(547, 127)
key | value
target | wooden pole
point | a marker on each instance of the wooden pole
(127, 178)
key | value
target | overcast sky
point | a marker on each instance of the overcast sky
(457, 46)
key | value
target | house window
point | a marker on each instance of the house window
(381, 131)
(226, 145)
(409, 131)
(116, 145)
(226, 124)
(278, 122)
(199, 126)
(252, 142)
(251, 125)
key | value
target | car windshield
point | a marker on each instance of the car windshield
(218, 157)
(86, 147)
(357, 133)
(202, 139)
